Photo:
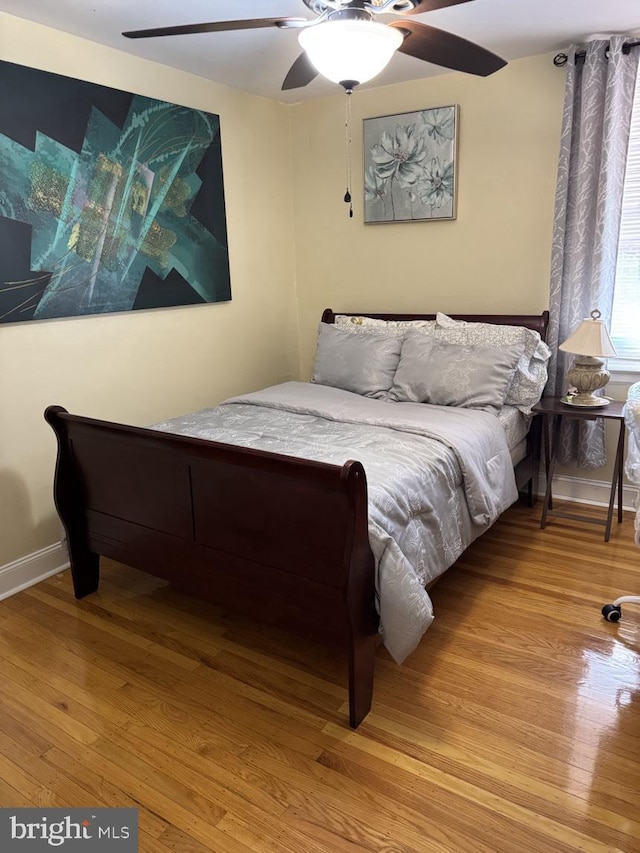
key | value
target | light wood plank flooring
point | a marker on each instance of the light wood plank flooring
(515, 726)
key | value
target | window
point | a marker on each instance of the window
(625, 321)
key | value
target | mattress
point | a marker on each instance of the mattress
(516, 427)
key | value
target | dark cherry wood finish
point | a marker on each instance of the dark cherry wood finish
(553, 412)
(280, 538)
(537, 322)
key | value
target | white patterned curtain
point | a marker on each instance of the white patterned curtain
(593, 151)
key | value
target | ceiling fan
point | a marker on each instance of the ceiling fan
(345, 44)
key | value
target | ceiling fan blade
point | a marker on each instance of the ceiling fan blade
(432, 5)
(301, 73)
(213, 27)
(446, 49)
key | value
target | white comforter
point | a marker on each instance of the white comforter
(437, 477)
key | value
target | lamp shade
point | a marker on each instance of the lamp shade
(590, 338)
(353, 51)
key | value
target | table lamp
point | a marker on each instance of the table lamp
(591, 344)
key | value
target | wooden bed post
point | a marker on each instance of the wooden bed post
(362, 655)
(362, 616)
(85, 564)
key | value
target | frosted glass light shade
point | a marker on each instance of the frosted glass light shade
(350, 50)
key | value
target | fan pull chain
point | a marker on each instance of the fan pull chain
(347, 128)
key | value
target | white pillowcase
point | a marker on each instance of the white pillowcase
(367, 325)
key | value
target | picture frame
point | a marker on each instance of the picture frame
(111, 201)
(410, 166)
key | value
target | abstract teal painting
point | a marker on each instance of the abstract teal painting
(109, 201)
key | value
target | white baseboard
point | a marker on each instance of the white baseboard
(596, 492)
(33, 568)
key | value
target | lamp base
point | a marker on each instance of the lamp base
(588, 374)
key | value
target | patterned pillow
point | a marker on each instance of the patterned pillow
(445, 374)
(363, 364)
(367, 325)
(530, 375)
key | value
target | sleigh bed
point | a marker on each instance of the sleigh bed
(306, 504)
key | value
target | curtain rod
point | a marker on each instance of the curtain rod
(561, 59)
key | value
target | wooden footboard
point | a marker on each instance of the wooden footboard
(278, 538)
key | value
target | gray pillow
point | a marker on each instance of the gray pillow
(530, 375)
(363, 364)
(434, 371)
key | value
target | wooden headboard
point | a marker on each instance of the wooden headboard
(537, 322)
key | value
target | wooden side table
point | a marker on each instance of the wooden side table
(553, 411)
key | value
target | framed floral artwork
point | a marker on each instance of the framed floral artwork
(410, 165)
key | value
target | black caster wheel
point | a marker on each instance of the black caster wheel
(612, 612)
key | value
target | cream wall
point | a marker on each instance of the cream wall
(145, 365)
(142, 366)
(495, 257)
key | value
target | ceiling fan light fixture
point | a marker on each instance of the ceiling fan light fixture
(353, 51)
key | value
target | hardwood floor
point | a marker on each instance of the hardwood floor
(515, 726)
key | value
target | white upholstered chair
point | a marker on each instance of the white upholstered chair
(613, 612)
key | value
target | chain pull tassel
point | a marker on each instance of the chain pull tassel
(347, 127)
